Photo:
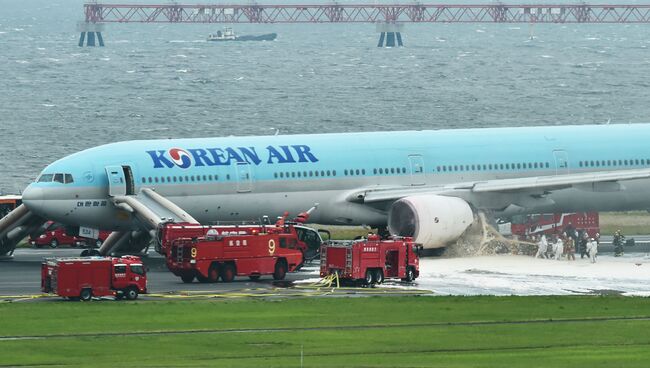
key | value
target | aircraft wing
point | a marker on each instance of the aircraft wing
(539, 184)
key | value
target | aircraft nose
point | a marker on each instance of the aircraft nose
(33, 198)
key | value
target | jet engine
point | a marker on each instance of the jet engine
(431, 220)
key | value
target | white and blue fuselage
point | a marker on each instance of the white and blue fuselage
(242, 178)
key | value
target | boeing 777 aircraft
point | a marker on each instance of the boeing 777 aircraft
(426, 184)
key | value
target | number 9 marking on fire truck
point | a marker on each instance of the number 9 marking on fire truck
(271, 246)
(193, 252)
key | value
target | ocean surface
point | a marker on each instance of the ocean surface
(165, 80)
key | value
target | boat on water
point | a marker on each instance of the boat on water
(228, 35)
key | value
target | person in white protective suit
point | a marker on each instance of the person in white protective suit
(558, 248)
(592, 249)
(542, 246)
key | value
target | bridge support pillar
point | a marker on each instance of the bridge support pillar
(88, 31)
(389, 33)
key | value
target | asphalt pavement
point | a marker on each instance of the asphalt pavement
(21, 275)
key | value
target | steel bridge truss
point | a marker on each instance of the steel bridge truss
(366, 13)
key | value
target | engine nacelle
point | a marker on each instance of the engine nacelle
(431, 220)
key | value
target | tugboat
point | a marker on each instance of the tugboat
(229, 35)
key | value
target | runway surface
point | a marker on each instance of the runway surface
(485, 275)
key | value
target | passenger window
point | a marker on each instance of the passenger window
(334, 172)
(120, 269)
(68, 179)
(58, 178)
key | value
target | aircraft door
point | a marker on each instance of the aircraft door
(561, 162)
(244, 177)
(416, 165)
(120, 180)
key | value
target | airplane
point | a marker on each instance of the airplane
(424, 184)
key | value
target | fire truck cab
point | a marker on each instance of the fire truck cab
(83, 278)
(372, 260)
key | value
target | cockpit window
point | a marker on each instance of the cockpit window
(57, 178)
(45, 178)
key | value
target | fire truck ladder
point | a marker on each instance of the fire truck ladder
(152, 209)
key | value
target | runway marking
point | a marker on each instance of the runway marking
(328, 328)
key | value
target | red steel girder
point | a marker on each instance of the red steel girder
(366, 13)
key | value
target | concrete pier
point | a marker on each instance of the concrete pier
(88, 31)
(389, 33)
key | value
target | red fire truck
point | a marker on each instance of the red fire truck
(555, 223)
(297, 237)
(83, 278)
(371, 260)
(229, 253)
